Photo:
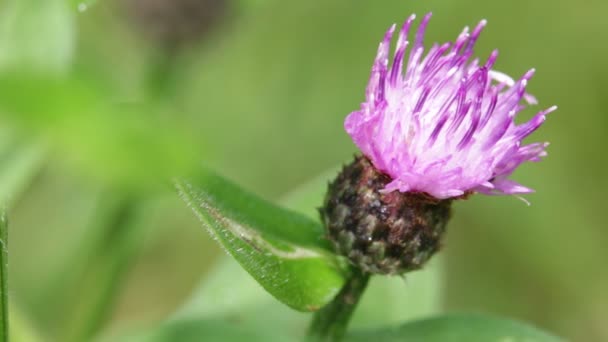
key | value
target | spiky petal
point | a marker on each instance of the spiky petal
(441, 123)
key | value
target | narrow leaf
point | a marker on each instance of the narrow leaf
(3, 276)
(230, 295)
(457, 328)
(284, 251)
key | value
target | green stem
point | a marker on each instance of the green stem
(3, 276)
(329, 323)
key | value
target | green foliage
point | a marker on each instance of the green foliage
(208, 330)
(230, 294)
(22, 329)
(450, 328)
(19, 164)
(230, 299)
(106, 256)
(36, 35)
(457, 328)
(284, 251)
(133, 144)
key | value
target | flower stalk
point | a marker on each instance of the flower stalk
(330, 323)
(435, 127)
(3, 276)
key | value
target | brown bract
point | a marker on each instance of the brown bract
(385, 233)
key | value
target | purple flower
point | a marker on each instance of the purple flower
(440, 122)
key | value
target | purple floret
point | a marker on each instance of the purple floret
(441, 123)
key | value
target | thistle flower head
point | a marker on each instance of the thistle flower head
(441, 122)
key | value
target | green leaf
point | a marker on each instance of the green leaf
(101, 266)
(201, 330)
(22, 329)
(36, 34)
(390, 300)
(230, 294)
(284, 251)
(19, 165)
(456, 328)
(134, 145)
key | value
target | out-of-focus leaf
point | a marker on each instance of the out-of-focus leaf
(36, 34)
(230, 294)
(203, 330)
(21, 328)
(308, 197)
(129, 144)
(19, 164)
(390, 300)
(284, 251)
(103, 261)
(387, 300)
(457, 328)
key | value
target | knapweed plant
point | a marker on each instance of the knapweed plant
(437, 126)
(349, 258)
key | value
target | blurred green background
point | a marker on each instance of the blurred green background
(101, 100)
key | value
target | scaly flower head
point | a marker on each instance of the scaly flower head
(441, 122)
